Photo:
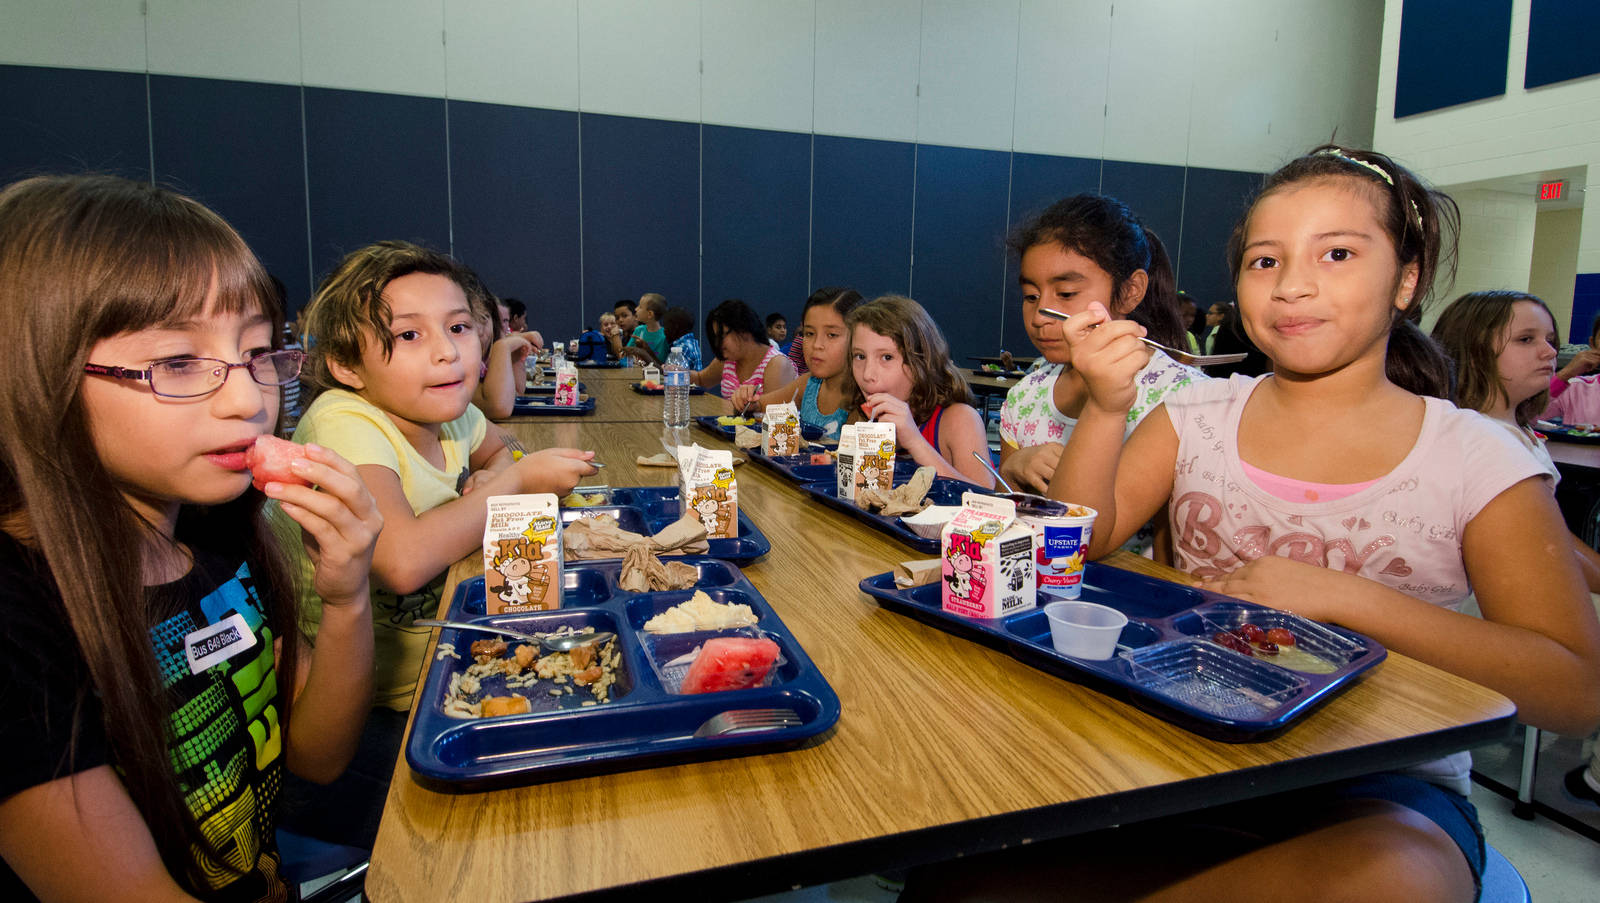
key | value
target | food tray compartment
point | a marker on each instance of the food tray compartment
(539, 405)
(661, 505)
(668, 657)
(642, 727)
(808, 432)
(546, 389)
(537, 690)
(800, 469)
(642, 389)
(943, 491)
(629, 517)
(1211, 681)
(590, 583)
(1334, 649)
(1165, 618)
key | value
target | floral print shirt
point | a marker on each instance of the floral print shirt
(1029, 416)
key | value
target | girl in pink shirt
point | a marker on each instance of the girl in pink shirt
(1343, 487)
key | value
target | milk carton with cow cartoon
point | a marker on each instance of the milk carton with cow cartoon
(522, 553)
(986, 560)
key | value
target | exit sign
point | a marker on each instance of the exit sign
(1552, 191)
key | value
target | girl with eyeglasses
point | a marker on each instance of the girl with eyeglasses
(153, 682)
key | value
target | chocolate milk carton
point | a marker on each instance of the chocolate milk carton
(566, 384)
(866, 458)
(781, 435)
(522, 554)
(986, 556)
(708, 489)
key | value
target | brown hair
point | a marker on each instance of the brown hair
(1422, 225)
(349, 306)
(935, 380)
(1472, 331)
(84, 258)
(654, 301)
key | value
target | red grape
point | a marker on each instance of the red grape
(1232, 642)
(1266, 648)
(1280, 636)
(1252, 633)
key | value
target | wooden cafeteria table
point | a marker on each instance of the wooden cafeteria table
(945, 747)
(616, 402)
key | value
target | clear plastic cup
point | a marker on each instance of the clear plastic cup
(1084, 629)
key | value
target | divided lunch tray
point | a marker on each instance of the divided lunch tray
(532, 405)
(1166, 662)
(648, 509)
(710, 425)
(549, 389)
(643, 390)
(943, 491)
(1562, 433)
(800, 469)
(646, 723)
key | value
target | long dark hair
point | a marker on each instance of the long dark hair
(733, 315)
(1421, 223)
(1104, 230)
(82, 259)
(1472, 330)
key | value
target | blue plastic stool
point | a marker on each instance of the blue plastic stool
(1502, 883)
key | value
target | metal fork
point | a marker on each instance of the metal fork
(511, 442)
(1182, 357)
(738, 721)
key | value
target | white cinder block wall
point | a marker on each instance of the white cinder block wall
(1496, 245)
(1228, 84)
(1549, 128)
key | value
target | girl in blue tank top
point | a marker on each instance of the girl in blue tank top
(826, 345)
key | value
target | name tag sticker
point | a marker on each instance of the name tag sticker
(216, 643)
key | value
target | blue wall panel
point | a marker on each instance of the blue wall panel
(1214, 199)
(375, 166)
(861, 214)
(1561, 41)
(959, 267)
(514, 206)
(1451, 51)
(71, 121)
(1153, 192)
(236, 146)
(641, 210)
(1585, 305)
(757, 199)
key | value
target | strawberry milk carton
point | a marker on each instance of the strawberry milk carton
(566, 384)
(866, 458)
(781, 435)
(522, 554)
(987, 559)
(709, 490)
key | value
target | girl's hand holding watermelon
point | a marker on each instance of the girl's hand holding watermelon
(338, 519)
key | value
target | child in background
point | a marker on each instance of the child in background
(901, 373)
(129, 531)
(502, 373)
(778, 331)
(826, 341)
(395, 358)
(516, 315)
(1083, 249)
(648, 335)
(624, 312)
(1504, 345)
(679, 324)
(743, 357)
(1283, 493)
(1575, 389)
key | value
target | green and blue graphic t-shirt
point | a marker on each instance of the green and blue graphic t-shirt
(214, 653)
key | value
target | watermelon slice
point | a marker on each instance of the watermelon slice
(269, 461)
(730, 663)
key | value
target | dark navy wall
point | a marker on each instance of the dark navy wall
(1561, 41)
(1451, 51)
(572, 211)
(1585, 304)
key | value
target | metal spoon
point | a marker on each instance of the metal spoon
(990, 467)
(558, 642)
(1182, 357)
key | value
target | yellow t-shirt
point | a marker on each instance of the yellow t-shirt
(364, 434)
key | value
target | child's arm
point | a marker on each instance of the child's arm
(66, 838)
(640, 349)
(1538, 641)
(1124, 483)
(745, 397)
(1030, 469)
(339, 524)
(414, 548)
(960, 420)
(708, 377)
(961, 436)
(496, 395)
(779, 372)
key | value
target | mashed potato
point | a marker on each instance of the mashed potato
(700, 613)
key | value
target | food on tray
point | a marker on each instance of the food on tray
(1277, 645)
(907, 498)
(701, 613)
(581, 499)
(736, 420)
(730, 663)
(644, 572)
(601, 536)
(588, 667)
(269, 461)
(822, 457)
(929, 522)
(652, 385)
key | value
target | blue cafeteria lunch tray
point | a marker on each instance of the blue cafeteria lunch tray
(943, 491)
(533, 405)
(645, 724)
(1560, 432)
(800, 469)
(648, 509)
(1166, 661)
(710, 425)
(549, 389)
(643, 390)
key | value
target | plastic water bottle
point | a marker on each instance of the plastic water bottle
(675, 391)
(558, 355)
